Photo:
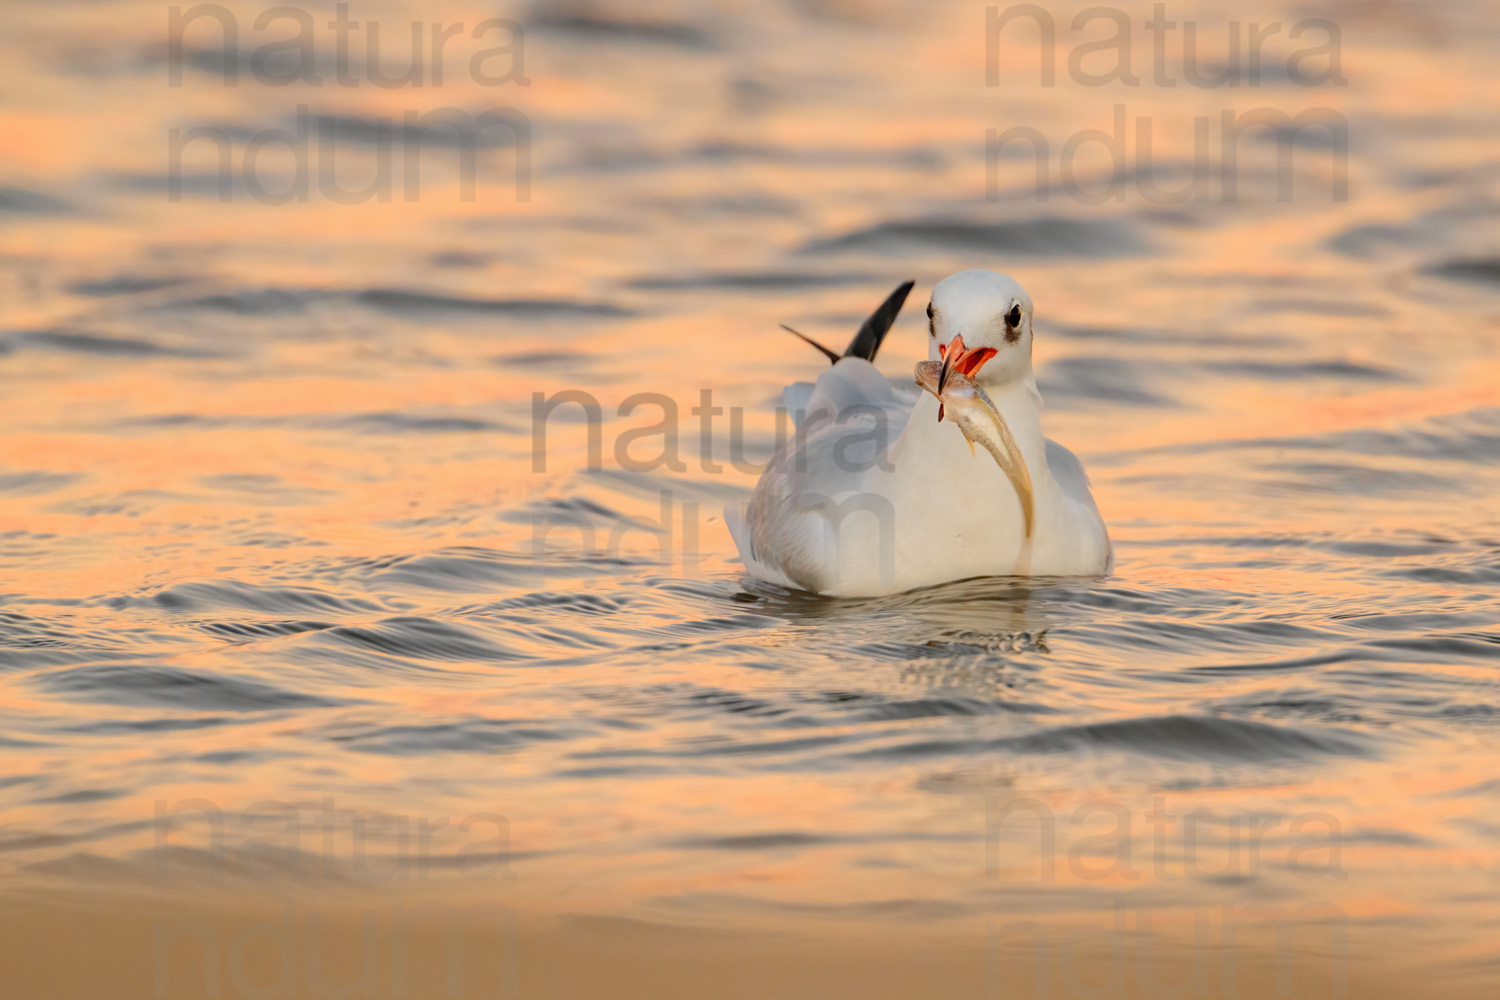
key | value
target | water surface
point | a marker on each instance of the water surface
(294, 607)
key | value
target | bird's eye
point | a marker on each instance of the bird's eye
(931, 323)
(1013, 318)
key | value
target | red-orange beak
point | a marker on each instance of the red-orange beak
(964, 360)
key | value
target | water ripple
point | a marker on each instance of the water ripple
(170, 687)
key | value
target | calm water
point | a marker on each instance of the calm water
(281, 562)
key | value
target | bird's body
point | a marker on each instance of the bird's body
(875, 495)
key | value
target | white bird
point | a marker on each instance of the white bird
(875, 494)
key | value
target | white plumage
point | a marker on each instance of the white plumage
(873, 495)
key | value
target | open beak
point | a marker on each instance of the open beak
(965, 360)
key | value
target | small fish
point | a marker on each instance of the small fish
(966, 404)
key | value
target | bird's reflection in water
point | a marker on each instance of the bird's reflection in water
(977, 636)
(993, 611)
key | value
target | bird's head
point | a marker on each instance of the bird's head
(991, 314)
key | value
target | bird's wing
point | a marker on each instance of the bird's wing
(853, 386)
(1067, 471)
(866, 343)
(795, 398)
(871, 334)
(739, 530)
(853, 418)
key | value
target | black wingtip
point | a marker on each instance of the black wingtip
(833, 358)
(866, 343)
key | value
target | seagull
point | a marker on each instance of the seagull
(876, 493)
